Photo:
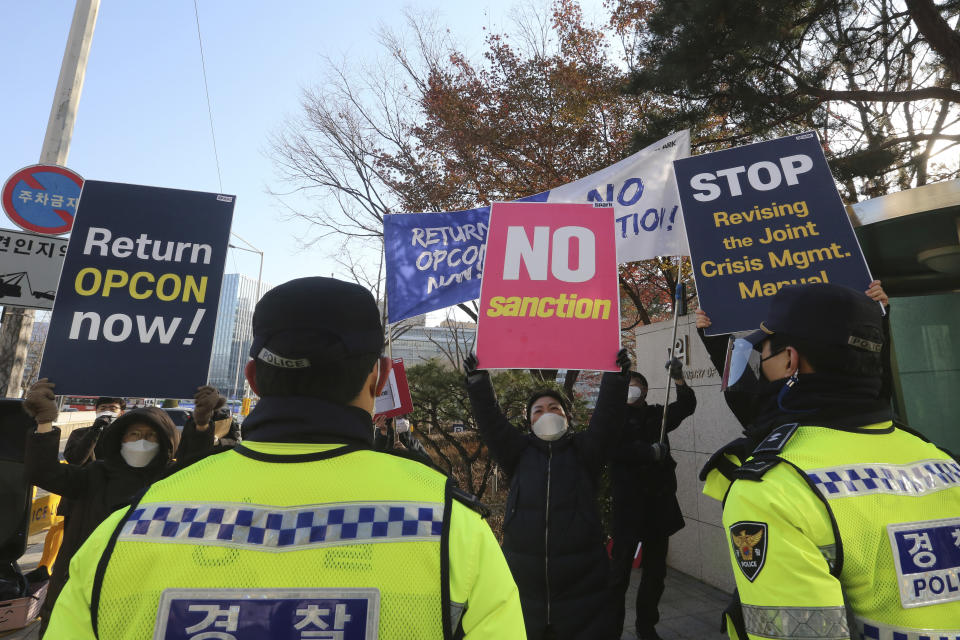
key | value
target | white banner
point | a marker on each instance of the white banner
(643, 192)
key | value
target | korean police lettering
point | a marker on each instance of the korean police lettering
(761, 176)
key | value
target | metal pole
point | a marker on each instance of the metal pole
(17, 324)
(673, 344)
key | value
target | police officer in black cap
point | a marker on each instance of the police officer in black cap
(302, 529)
(838, 517)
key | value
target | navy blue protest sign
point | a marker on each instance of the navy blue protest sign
(433, 260)
(137, 300)
(760, 217)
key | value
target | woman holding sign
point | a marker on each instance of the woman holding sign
(552, 534)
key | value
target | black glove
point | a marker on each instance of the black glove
(101, 422)
(470, 364)
(676, 368)
(623, 361)
(470, 368)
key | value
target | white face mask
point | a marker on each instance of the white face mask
(402, 426)
(634, 394)
(110, 415)
(139, 453)
(550, 426)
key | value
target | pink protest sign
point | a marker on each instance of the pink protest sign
(549, 297)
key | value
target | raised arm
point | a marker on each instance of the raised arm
(610, 412)
(82, 441)
(686, 402)
(41, 465)
(504, 440)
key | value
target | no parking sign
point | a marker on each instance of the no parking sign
(42, 198)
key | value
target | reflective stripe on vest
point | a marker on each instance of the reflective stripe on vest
(265, 528)
(917, 478)
(796, 623)
(873, 630)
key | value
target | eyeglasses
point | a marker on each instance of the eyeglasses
(140, 433)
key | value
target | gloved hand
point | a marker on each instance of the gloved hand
(470, 364)
(624, 362)
(40, 403)
(659, 451)
(206, 400)
(676, 368)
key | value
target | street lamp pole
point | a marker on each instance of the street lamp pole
(252, 249)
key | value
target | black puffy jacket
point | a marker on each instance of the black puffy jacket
(552, 534)
(96, 489)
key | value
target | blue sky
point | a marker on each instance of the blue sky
(143, 112)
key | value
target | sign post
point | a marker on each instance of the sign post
(549, 297)
(760, 217)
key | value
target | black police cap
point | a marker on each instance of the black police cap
(825, 313)
(309, 322)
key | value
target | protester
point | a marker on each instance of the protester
(209, 429)
(837, 518)
(136, 449)
(643, 485)
(302, 529)
(552, 533)
(405, 441)
(83, 442)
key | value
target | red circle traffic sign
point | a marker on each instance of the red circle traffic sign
(42, 198)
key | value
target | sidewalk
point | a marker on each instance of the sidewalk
(689, 610)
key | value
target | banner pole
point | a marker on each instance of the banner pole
(673, 344)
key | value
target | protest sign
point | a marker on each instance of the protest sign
(395, 398)
(29, 269)
(137, 299)
(760, 217)
(550, 297)
(434, 260)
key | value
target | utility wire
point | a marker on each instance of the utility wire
(203, 66)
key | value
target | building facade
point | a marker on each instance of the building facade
(419, 343)
(233, 334)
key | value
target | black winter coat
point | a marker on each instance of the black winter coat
(645, 493)
(552, 534)
(96, 489)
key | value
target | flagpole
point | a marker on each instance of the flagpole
(673, 344)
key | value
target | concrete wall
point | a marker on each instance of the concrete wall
(700, 549)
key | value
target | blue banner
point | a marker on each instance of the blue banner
(137, 300)
(760, 217)
(434, 260)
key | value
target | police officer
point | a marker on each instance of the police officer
(840, 524)
(302, 530)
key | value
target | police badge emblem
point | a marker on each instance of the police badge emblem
(749, 541)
